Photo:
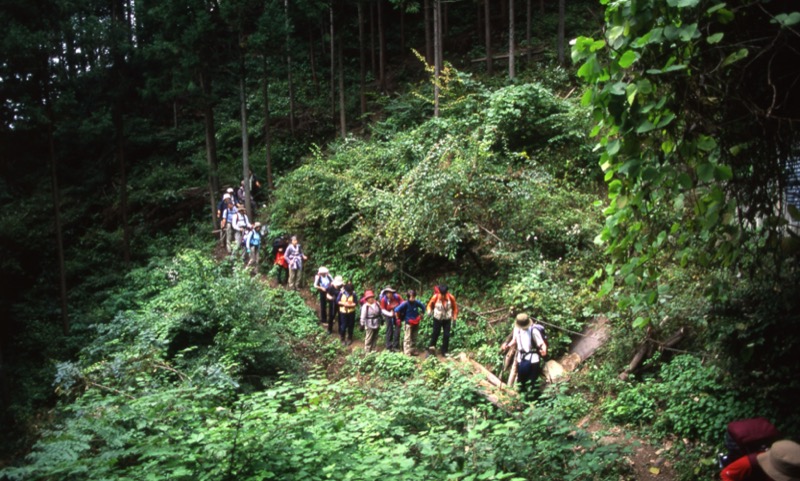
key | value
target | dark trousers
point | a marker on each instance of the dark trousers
(282, 273)
(392, 333)
(528, 375)
(347, 322)
(324, 305)
(333, 310)
(443, 326)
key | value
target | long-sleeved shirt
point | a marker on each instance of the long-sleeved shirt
(443, 309)
(410, 310)
(745, 468)
(371, 315)
(389, 301)
(294, 256)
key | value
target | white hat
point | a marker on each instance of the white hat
(226, 196)
(230, 190)
(323, 271)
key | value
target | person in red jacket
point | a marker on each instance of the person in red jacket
(780, 463)
(389, 300)
(445, 312)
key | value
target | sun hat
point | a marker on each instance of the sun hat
(338, 281)
(782, 461)
(523, 321)
(368, 294)
(389, 289)
(322, 270)
(226, 196)
(230, 190)
(256, 225)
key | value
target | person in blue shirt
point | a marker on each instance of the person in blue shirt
(410, 313)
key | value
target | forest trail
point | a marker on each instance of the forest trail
(647, 462)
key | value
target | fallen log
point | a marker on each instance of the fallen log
(512, 376)
(494, 380)
(586, 343)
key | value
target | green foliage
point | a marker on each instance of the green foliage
(385, 364)
(688, 399)
(682, 191)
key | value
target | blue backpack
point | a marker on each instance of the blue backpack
(255, 239)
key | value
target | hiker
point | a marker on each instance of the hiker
(347, 313)
(410, 312)
(389, 300)
(252, 242)
(228, 216)
(322, 281)
(283, 266)
(295, 257)
(530, 349)
(255, 184)
(371, 321)
(445, 311)
(221, 206)
(332, 296)
(241, 224)
(781, 462)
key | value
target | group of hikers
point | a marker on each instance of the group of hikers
(388, 308)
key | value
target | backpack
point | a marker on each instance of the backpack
(541, 329)
(747, 436)
(255, 239)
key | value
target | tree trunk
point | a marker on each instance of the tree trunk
(373, 65)
(342, 119)
(529, 28)
(289, 69)
(313, 61)
(437, 54)
(175, 114)
(332, 93)
(362, 78)
(402, 30)
(511, 46)
(211, 146)
(267, 129)
(426, 8)
(487, 18)
(381, 48)
(245, 139)
(119, 136)
(561, 40)
(118, 18)
(62, 269)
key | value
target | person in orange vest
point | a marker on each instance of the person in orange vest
(445, 312)
(347, 313)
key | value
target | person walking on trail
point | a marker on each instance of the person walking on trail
(283, 266)
(371, 315)
(295, 257)
(332, 296)
(445, 311)
(252, 242)
(389, 299)
(347, 313)
(228, 216)
(410, 313)
(530, 350)
(322, 281)
(241, 224)
(221, 206)
(780, 463)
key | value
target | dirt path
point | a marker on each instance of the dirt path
(647, 462)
